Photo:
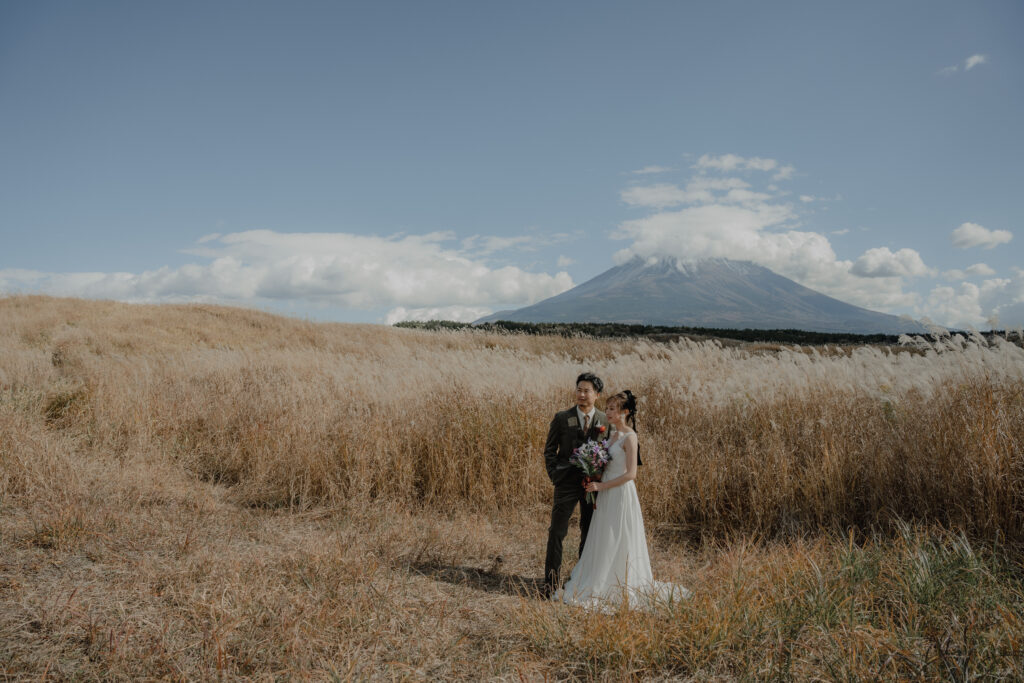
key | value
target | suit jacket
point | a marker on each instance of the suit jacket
(565, 434)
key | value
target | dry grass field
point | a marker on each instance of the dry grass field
(200, 492)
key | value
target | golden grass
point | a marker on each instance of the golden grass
(198, 491)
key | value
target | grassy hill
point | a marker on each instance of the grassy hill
(197, 491)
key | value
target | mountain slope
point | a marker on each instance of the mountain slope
(709, 293)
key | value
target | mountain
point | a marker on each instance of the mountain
(710, 293)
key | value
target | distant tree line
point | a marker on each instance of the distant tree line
(660, 332)
(668, 332)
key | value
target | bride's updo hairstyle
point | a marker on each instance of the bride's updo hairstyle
(625, 400)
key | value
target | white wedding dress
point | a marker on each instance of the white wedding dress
(615, 566)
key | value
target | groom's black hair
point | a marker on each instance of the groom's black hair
(593, 379)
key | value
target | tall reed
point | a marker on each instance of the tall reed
(292, 413)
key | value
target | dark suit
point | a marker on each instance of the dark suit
(564, 435)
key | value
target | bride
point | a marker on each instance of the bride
(615, 567)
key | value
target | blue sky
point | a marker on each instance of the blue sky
(388, 160)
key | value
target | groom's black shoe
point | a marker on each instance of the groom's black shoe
(551, 581)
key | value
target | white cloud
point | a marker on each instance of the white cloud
(463, 314)
(806, 198)
(969, 63)
(726, 162)
(565, 261)
(647, 170)
(881, 262)
(711, 231)
(489, 244)
(715, 217)
(745, 197)
(996, 299)
(759, 164)
(733, 162)
(955, 307)
(340, 269)
(1009, 317)
(973, 235)
(699, 189)
(726, 218)
(716, 184)
(757, 233)
(974, 60)
(980, 269)
(784, 173)
(661, 195)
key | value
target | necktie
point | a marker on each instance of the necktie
(586, 423)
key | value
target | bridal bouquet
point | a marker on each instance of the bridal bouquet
(592, 457)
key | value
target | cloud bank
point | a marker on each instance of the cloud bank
(976, 270)
(998, 302)
(410, 273)
(722, 216)
(881, 262)
(728, 207)
(717, 214)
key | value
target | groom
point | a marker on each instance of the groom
(570, 429)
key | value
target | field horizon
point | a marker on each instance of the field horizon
(198, 491)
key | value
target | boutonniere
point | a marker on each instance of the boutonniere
(601, 429)
(573, 422)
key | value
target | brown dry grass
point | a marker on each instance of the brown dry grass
(197, 491)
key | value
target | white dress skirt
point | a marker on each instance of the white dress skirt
(615, 567)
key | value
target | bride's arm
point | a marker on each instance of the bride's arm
(628, 445)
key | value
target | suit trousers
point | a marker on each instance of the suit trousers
(567, 495)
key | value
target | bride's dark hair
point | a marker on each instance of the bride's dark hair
(626, 400)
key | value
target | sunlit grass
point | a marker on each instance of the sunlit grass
(194, 491)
